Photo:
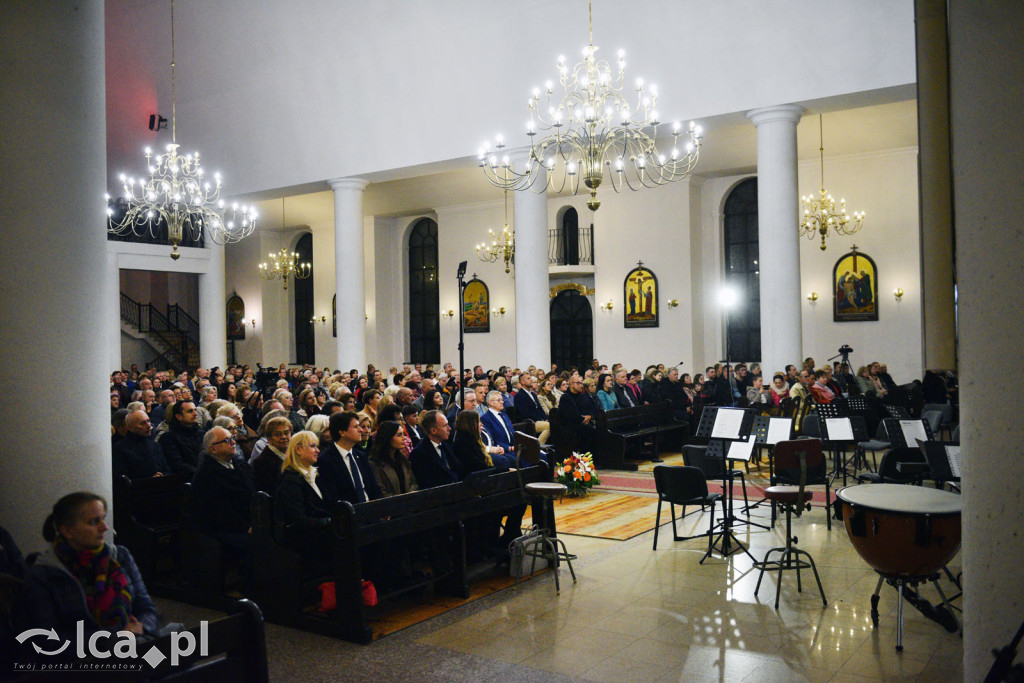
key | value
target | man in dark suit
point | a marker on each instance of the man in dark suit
(433, 460)
(136, 455)
(525, 402)
(222, 493)
(576, 414)
(411, 418)
(623, 393)
(344, 472)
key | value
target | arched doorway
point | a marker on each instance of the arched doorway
(572, 330)
(305, 346)
(424, 294)
(742, 272)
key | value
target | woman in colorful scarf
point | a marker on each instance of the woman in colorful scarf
(83, 578)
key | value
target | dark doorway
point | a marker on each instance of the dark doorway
(572, 330)
(571, 237)
(305, 347)
(424, 294)
(742, 272)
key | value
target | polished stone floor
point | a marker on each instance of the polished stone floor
(643, 615)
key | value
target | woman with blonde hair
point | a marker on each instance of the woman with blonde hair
(299, 507)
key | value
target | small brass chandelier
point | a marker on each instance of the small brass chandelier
(820, 214)
(502, 247)
(593, 128)
(177, 194)
(285, 264)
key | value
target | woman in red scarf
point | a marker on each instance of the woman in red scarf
(82, 578)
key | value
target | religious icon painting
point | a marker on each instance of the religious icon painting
(640, 292)
(476, 302)
(855, 288)
(334, 316)
(236, 318)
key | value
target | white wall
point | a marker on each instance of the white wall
(416, 81)
(885, 186)
(136, 350)
(241, 263)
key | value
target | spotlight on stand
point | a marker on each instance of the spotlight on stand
(157, 122)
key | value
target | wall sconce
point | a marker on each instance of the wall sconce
(812, 296)
(447, 314)
(253, 323)
(608, 306)
(898, 293)
(672, 303)
(322, 320)
(498, 311)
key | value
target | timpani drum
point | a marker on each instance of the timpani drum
(902, 531)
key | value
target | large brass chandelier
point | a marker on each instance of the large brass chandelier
(178, 194)
(284, 264)
(820, 215)
(502, 247)
(594, 129)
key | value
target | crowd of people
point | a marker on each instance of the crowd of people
(312, 437)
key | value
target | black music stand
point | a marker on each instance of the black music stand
(762, 424)
(837, 447)
(899, 412)
(724, 538)
(939, 461)
(895, 433)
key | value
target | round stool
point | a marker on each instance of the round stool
(547, 546)
(792, 499)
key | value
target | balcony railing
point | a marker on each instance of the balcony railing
(571, 247)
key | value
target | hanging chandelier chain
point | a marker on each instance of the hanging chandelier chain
(821, 213)
(174, 126)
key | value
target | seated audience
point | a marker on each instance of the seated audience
(81, 579)
(606, 393)
(779, 389)
(545, 394)
(345, 473)
(433, 461)
(497, 424)
(137, 456)
(528, 407)
(576, 417)
(411, 420)
(757, 394)
(389, 463)
(183, 439)
(266, 467)
(820, 389)
(222, 494)
(301, 512)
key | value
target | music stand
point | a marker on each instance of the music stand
(762, 428)
(716, 448)
(837, 446)
(899, 412)
(941, 461)
(858, 404)
(897, 438)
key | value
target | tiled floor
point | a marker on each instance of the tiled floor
(643, 615)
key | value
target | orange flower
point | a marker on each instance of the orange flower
(577, 475)
(586, 477)
(568, 468)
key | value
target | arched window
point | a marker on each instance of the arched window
(305, 347)
(742, 272)
(424, 316)
(571, 237)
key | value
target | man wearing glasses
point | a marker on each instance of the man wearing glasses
(221, 494)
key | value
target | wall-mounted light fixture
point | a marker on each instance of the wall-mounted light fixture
(322, 320)
(898, 293)
(608, 305)
(498, 311)
(253, 323)
(672, 303)
(447, 314)
(812, 296)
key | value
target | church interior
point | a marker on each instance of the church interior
(353, 131)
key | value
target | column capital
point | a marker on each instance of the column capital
(782, 112)
(358, 184)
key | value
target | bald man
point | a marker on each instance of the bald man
(137, 456)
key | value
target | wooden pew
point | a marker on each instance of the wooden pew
(441, 511)
(622, 431)
(147, 518)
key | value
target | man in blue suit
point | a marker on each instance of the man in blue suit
(497, 423)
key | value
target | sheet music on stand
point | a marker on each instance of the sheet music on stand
(779, 429)
(913, 431)
(728, 422)
(943, 459)
(838, 429)
(742, 449)
(953, 455)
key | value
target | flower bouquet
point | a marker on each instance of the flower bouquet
(577, 473)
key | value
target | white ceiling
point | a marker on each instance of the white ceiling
(730, 148)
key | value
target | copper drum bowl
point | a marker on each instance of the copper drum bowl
(904, 531)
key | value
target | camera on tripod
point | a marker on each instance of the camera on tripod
(845, 349)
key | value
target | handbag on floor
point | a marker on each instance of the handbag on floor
(520, 562)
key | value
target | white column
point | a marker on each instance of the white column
(52, 266)
(533, 317)
(213, 318)
(111, 316)
(778, 222)
(984, 50)
(348, 271)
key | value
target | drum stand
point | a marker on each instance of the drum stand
(906, 587)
